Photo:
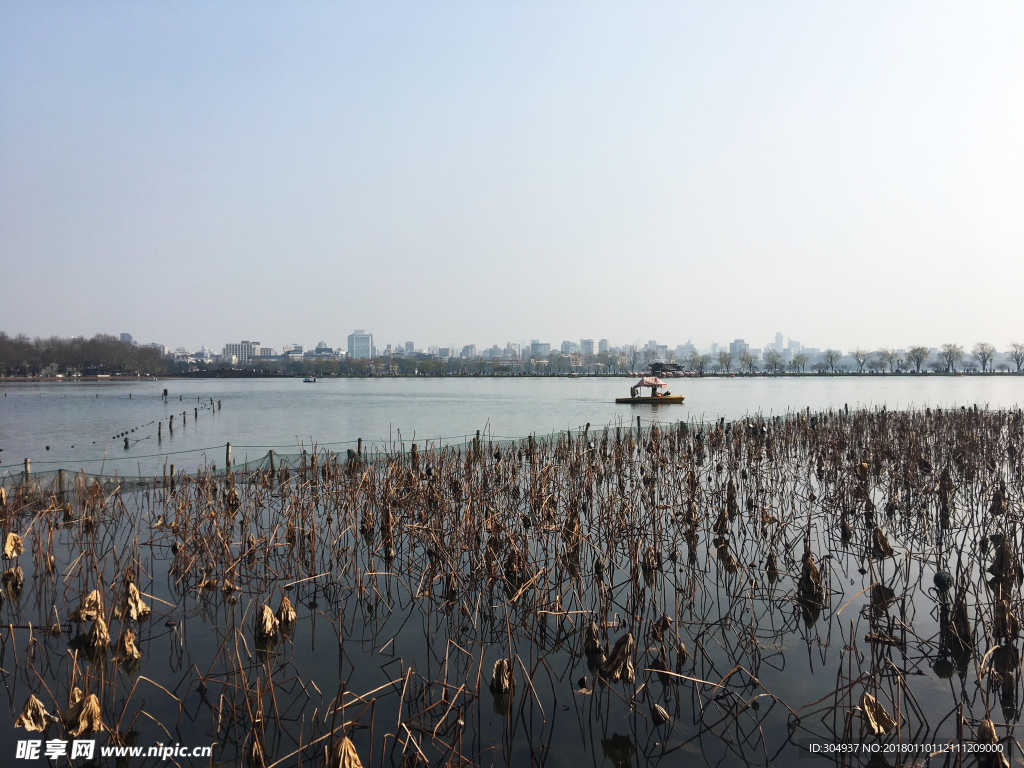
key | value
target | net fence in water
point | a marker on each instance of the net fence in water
(319, 458)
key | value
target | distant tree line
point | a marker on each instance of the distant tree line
(22, 356)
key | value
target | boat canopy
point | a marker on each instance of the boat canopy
(650, 381)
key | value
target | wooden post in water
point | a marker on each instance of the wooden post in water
(227, 458)
(28, 470)
(172, 478)
(60, 485)
(359, 447)
(159, 431)
(165, 394)
(415, 459)
(126, 443)
(639, 429)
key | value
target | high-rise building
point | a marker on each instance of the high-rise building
(683, 351)
(360, 344)
(568, 347)
(537, 349)
(738, 347)
(126, 338)
(512, 350)
(778, 342)
(410, 348)
(603, 346)
(469, 351)
(588, 347)
(244, 351)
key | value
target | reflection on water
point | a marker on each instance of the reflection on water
(720, 595)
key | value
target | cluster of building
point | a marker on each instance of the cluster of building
(514, 356)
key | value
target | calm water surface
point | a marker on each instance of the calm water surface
(82, 422)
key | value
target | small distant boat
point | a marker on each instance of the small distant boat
(635, 398)
(309, 380)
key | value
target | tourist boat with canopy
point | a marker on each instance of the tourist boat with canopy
(655, 398)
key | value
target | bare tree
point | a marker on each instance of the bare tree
(699, 363)
(918, 356)
(1017, 354)
(634, 355)
(889, 358)
(748, 361)
(799, 362)
(832, 358)
(983, 353)
(860, 356)
(951, 355)
(725, 360)
(773, 361)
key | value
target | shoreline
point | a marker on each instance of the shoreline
(227, 374)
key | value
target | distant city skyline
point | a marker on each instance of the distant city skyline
(786, 351)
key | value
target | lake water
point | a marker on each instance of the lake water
(409, 587)
(82, 422)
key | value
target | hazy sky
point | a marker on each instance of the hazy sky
(846, 173)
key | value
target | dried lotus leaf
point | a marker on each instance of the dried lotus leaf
(34, 716)
(286, 614)
(83, 716)
(344, 755)
(878, 720)
(13, 546)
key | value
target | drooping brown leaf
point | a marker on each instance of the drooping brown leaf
(344, 755)
(881, 596)
(83, 716)
(660, 627)
(881, 547)
(13, 546)
(502, 680)
(98, 638)
(13, 582)
(126, 649)
(619, 664)
(592, 640)
(266, 624)
(89, 609)
(1006, 623)
(878, 721)
(286, 614)
(34, 716)
(987, 735)
(659, 715)
(131, 606)
(810, 589)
